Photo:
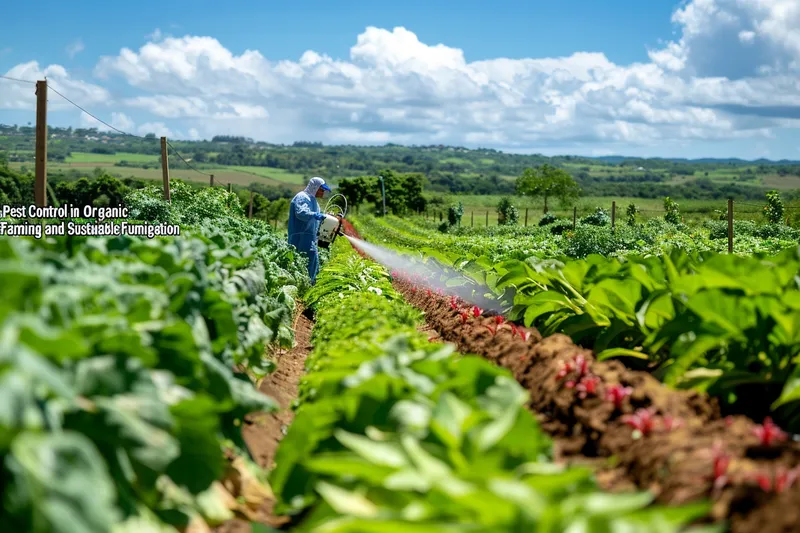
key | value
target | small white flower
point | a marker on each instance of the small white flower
(376, 290)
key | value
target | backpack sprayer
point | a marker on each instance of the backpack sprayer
(331, 226)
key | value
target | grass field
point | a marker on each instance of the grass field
(222, 175)
(240, 175)
(83, 157)
(275, 174)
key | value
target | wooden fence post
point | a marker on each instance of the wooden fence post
(730, 225)
(472, 218)
(212, 180)
(40, 185)
(165, 168)
(229, 187)
(613, 215)
(526, 217)
(487, 219)
(574, 217)
(251, 205)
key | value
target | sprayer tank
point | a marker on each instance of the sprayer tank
(327, 230)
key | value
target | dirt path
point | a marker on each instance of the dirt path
(263, 432)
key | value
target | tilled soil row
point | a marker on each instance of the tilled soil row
(683, 449)
(263, 432)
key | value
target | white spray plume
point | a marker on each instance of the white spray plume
(429, 275)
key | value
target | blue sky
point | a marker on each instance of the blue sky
(576, 76)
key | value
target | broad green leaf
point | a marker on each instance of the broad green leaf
(59, 483)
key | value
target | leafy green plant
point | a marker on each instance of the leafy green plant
(671, 212)
(774, 210)
(507, 212)
(716, 322)
(600, 217)
(630, 214)
(117, 369)
(454, 214)
(547, 219)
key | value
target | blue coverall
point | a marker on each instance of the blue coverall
(304, 219)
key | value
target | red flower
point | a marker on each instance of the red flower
(476, 311)
(779, 482)
(617, 393)
(642, 420)
(566, 368)
(587, 386)
(769, 432)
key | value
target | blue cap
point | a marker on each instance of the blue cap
(324, 187)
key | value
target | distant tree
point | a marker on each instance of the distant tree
(403, 192)
(355, 190)
(548, 181)
(103, 150)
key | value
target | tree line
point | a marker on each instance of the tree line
(452, 170)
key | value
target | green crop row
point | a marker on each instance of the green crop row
(720, 323)
(558, 239)
(397, 434)
(725, 324)
(118, 397)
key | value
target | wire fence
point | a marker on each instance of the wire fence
(481, 216)
(213, 181)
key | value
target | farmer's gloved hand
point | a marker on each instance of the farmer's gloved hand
(319, 216)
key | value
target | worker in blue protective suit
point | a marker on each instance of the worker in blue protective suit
(304, 219)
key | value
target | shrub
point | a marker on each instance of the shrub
(549, 218)
(454, 214)
(507, 213)
(774, 208)
(630, 214)
(591, 240)
(560, 227)
(672, 214)
(600, 217)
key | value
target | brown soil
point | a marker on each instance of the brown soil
(676, 463)
(263, 431)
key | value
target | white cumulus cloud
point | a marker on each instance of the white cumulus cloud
(732, 72)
